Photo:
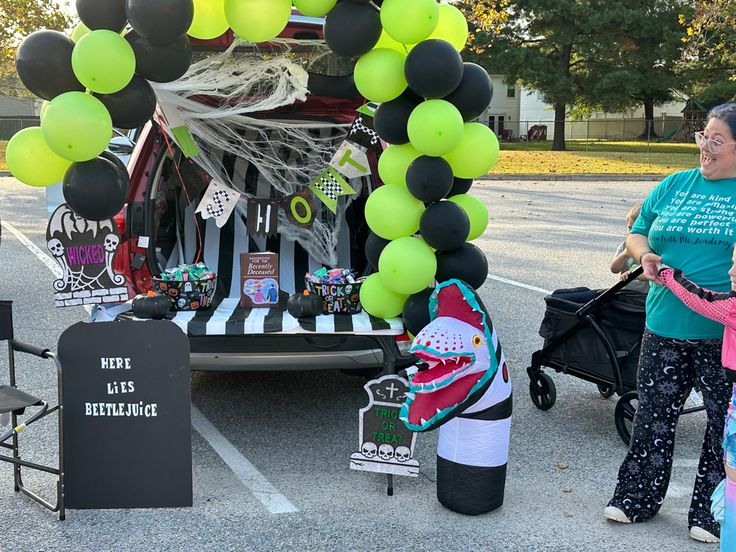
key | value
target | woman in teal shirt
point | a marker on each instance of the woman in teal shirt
(687, 222)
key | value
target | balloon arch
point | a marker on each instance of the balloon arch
(408, 61)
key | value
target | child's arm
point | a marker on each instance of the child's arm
(711, 304)
(618, 264)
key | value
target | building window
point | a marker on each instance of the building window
(511, 91)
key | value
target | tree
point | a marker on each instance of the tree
(547, 45)
(711, 49)
(19, 19)
(642, 65)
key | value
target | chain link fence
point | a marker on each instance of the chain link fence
(10, 125)
(664, 129)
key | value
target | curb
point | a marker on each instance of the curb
(579, 177)
(5, 173)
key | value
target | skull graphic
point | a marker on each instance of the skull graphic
(56, 248)
(386, 452)
(111, 243)
(402, 454)
(369, 450)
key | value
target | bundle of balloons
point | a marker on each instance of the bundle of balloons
(421, 218)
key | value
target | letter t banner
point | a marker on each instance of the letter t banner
(351, 160)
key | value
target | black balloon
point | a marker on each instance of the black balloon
(160, 21)
(44, 64)
(392, 117)
(96, 189)
(416, 311)
(352, 28)
(115, 160)
(133, 106)
(444, 226)
(374, 246)
(474, 93)
(429, 179)
(160, 63)
(433, 69)
(467, 263)
(460, 186)
(103, 14)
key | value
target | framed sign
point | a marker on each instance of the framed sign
(127, 415)
(385, 444)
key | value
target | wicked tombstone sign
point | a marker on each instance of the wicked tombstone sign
(127, 415)
(385, 444)
(85, 250)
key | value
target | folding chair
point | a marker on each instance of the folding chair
(15, 402)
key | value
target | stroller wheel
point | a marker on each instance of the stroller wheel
(624, 414)
(543, 392)
(605, 390)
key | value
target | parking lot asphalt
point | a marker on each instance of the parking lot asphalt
(298, 429)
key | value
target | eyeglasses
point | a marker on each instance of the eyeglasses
(710, 145)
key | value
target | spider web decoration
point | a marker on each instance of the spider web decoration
(243, 82)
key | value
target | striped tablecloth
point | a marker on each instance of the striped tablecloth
(229, 318)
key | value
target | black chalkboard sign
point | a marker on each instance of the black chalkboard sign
(127, 415)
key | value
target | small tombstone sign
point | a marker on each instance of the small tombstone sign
(127, 415)
(85, 250)
(385, 444)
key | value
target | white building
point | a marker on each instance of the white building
(515, 109)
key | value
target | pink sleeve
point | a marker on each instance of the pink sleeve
(718, 306)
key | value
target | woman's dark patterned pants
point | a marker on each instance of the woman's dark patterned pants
(668, 368)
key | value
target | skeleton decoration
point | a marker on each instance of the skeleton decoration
(85, 251)
(462, 384)
(385, 444)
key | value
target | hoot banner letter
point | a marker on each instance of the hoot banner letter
(464, 387)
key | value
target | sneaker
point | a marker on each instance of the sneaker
(701, 535)
(614, 514)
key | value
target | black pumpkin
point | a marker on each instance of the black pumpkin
(304, 305)
(151, 305)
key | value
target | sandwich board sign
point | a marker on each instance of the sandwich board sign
(127, 415)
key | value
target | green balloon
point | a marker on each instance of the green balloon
(314, 8)
(209, 19)
(392, 212)
(77, 126)
(477, 213)
(435, 127)
(387, 42)
(394, 162)
(257, 20)
(378, 300)
(409, 21)
(79, 31)
(379, 75)
(407, 266)
(42, 111)
(476, 154)
(452, 27)
(103, 61)
(31, 161)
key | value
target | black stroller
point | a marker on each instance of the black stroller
(594, 335)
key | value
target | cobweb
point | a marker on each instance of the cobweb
(222, 100)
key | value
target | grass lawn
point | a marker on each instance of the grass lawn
(585, 157)
(582, 158)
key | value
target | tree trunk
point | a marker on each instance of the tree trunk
(559, 141)
(649, 132)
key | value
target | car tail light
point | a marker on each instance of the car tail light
(403, 342)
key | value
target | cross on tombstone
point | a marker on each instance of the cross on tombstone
(391, 388)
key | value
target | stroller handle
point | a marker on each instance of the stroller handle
(583, 311)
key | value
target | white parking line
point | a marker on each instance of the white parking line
(275, 502)
(267, 494)
(518, 284)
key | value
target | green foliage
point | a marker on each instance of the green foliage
(19, 19)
